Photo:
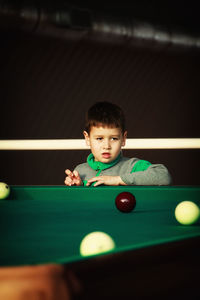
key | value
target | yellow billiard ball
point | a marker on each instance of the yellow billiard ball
(4, 190)
(187, 212)
(95, 243)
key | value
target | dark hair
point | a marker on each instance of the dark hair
(105, 114)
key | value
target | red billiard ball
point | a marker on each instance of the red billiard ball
(125, 202)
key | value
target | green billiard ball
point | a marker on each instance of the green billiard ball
(4, 190)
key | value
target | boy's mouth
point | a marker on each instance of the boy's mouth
(106, 155)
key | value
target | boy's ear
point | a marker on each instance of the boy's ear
(87, 138)
(124, 138)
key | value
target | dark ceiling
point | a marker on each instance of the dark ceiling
(169, 24)
(177, 14)
(180, 14)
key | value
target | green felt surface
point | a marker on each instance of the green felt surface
(41, 224)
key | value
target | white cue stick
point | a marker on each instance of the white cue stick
(79, 144)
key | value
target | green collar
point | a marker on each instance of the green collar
(99, 166)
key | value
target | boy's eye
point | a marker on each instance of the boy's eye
(112, 139)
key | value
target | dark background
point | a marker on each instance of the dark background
(48, 81)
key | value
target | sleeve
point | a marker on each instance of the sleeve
(145, 173)
(79, 169)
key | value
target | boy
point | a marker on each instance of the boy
(105, 133)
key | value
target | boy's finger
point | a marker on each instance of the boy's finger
(75, 173)
(88, 183)
(68, 181)
(93, 179)
(98, 183)
(69, 173)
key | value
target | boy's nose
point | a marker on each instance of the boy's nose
(106, 144)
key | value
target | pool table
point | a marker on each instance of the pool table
(153, 254)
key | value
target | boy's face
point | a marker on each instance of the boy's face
(105, 142)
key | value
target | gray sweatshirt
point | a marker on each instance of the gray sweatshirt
(155, 174)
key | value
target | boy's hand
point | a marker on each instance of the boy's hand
(73, 178)
(106, 180)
